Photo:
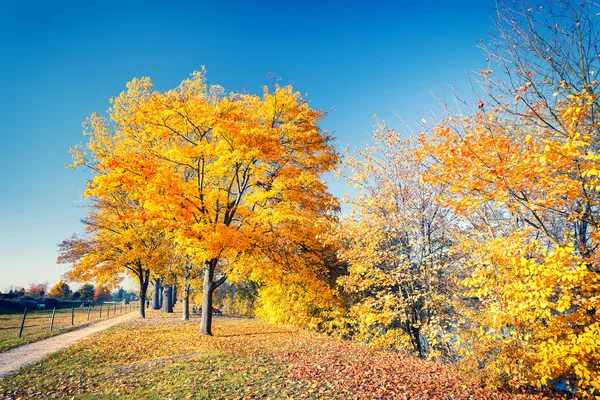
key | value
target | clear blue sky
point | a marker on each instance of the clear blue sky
(60, 62)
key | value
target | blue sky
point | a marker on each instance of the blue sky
(62, 61)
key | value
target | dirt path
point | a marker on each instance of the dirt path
(13, 359)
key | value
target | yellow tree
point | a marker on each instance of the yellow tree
(396, 243)
(222, 172)
(299, 287)
(120, 239)
(523, 172)
(535, 270)
(538, 275)
(61, 290)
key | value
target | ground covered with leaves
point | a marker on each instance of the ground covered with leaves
(165, 358)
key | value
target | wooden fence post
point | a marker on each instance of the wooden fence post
(100, 311)
(52, 322)
(72, 316)
(23, 322)
(89, 310)
(108, 311)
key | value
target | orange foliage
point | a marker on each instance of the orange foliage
(531, 196)
(223, 174)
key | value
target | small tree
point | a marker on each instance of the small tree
(120, 239)
(87, 291)
(37, 289)
(396, 242)
(61, 290)
(156, 298)
(101, 294)
(119, 295)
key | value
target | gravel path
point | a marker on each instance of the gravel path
(13, 359)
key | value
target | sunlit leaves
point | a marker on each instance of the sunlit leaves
(396, 245)
(120, 239)
(234, 179)
(530, 197)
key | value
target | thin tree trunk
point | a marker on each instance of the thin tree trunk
(174, 296)
(186, 293)
(144, 281)
(167, 297)
(156, 299)
(186, 306)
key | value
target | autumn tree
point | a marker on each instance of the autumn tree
(301, 289)
(101, 293)
(183, 273)
(523, 173)
(540, 56)
(60, 290)
(222, 172)
(37, 289)
(396, 242)
(120, 240)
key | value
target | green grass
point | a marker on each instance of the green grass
(163, 357)
(37, 323)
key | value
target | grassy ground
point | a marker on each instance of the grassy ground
(37, 323)
(165, 358)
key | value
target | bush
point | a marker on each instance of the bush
(50, 303)
(10, 306)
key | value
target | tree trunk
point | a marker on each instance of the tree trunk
(186, 293)
(144, 281)
(167, 306)
(174, 296)
(208, 287)
(156, 300)
(207, 291)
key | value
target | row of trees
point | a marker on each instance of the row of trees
(87, 291)
(61, 290)
(475, 242)
(34, 290)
